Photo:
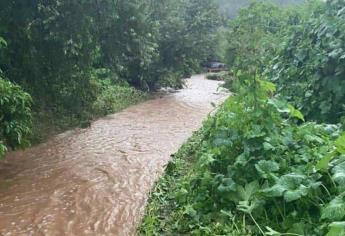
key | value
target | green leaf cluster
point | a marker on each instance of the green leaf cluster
(15, 116)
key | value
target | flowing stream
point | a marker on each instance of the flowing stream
(95, 181)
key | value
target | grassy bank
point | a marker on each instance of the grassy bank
(161, 212)
(111, 99)
(167, 209)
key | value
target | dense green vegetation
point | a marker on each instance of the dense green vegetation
(15, 113)
(82, 59)
(299, 49)
(15, 116)
(251, 38)
(310, 66)
(220, 76)
(256, 171)
(231, 8)
(259, 166)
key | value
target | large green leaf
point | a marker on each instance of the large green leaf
(295, 113)
(266, 167)
(334, 210)
(3, 43)
(280, 105)
(339, 174)
(247, 192)
(288, 186)
(227, 185)
(340, 144)
(336, 229)
(323, 164)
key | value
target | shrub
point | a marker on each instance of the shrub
(15, 116)
(221, 76)
(310, 68)
(171, 79)
(252, 37)
(113, 98)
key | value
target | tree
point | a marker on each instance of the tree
(15, 114)
(253, 36)
(187, 30)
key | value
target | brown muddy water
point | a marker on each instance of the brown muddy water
(96, 181)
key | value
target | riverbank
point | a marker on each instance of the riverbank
(161, 208)
(113, 99)
(255, 168)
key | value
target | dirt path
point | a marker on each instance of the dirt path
(95, 181)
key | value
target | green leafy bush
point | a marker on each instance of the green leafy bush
(15, 116)
(113, 98)
(310, 68)
(257, 172)
(221, 76)
(253, 37)
(112, 95)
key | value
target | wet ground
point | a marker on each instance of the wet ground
(95, 181)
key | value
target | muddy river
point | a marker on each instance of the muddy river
(95, 181)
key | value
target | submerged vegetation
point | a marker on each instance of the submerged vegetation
(271, 160)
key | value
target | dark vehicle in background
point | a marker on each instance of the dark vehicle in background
(215, 66)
